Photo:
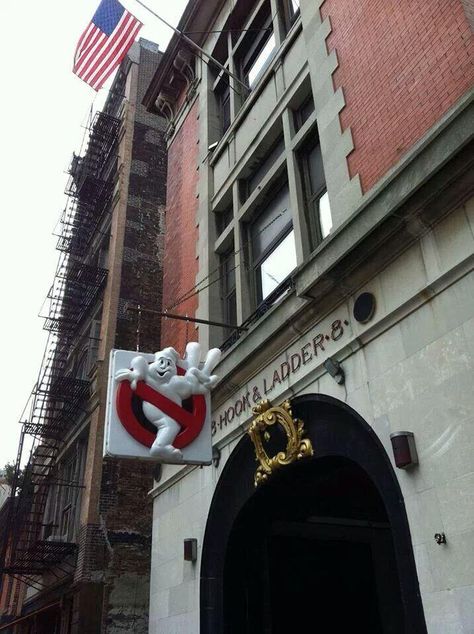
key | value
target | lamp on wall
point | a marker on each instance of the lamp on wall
(404, 449)
(190, 549)
(210, 150)
(333, 367)
(216, 456)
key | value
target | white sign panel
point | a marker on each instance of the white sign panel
(158, 405)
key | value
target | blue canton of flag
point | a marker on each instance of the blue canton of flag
(104, 43)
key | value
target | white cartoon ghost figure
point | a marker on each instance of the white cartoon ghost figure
(162, 376)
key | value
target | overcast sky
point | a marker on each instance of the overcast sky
(43, 109)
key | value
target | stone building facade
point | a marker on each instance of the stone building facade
(323, 191)
(79, 535)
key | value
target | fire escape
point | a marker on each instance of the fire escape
(60, 399)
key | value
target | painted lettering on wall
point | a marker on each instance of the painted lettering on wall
(276, 376)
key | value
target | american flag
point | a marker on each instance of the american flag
(104, 43)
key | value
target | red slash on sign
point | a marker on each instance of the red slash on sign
(191, 423)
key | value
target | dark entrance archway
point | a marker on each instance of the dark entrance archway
(323, 546)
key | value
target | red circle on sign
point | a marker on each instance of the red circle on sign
(191, 422)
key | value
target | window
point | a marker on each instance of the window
(291, 11)
(303, 113)
(316, 196)
(223, 218)
(273, 244)
(293, 8)
(259, 48)
(229, 301)
(224, 108)
(61, 518)
(82, 366)
(255, 68)
(278, 264)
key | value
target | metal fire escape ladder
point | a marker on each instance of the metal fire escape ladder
(89, 188)
(59, 399)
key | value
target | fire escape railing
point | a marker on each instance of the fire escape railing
(74, 291)
(84, 215)
(59, 399)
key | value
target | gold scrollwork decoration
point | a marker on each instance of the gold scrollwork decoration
(297, 447)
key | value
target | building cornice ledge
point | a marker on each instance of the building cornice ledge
(198, 16)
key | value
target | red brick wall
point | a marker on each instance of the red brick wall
(180, 264)
(402, 65)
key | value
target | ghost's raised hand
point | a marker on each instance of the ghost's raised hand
(212, 359)
(137, 373)
(202, 380)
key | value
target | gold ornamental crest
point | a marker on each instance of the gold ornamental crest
(297, 447)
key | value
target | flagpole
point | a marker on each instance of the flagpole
(195, 46)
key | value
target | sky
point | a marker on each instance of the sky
(43, 111)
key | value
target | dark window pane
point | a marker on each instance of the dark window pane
(272, 222)
(229, 271)
(291, 11)
(316, 170)
(229, 300)
(303, 112)
(225, 110)
(231, 309)
(223, 218)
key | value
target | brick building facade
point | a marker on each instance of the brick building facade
(181, 231)
(78, 535)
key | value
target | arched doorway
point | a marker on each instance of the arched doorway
(324, 546)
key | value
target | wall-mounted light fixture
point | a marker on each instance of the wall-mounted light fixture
(333, 367)
(210, 150)
(190, 549)
(404, 449)
(216, 456)
(157, 472)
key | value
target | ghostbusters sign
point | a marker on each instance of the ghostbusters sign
(158, 405)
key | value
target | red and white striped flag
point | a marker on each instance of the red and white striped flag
(104, 43)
